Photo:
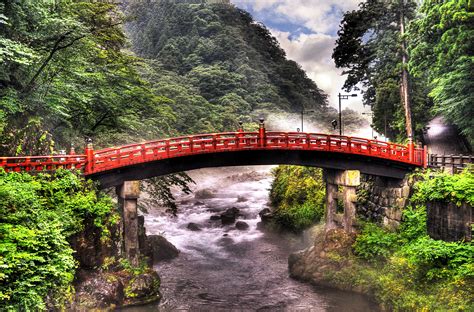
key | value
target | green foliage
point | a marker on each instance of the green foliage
(439, 186)
(297, 193)
(374, 243)
(38, 214)
(441, 48)
(406, 269)
(159, 189)
(63, 74)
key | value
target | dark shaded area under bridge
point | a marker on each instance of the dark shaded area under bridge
(321, 159)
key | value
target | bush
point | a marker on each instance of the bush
(374, 243)
(37, 216)
(298, 195)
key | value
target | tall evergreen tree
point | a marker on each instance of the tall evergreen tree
(442, 52)
(370, 49)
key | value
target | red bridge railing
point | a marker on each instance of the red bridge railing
(117, 157)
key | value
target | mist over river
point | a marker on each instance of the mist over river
(221, 268)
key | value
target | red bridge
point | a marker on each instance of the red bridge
(112, 166)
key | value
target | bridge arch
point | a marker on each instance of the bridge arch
(114, 165)
(141, 161)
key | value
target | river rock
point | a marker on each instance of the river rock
(193, 227)
(241, 226)
(162, 249)
(229, 216)
(99, 291)
(314, 263)
(215, 218)
(204, 194)
(241, 199)
(143, 288)
(265, 215)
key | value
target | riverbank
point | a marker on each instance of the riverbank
(403, 269)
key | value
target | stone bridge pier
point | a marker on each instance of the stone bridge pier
(128, 194)
(348, 180)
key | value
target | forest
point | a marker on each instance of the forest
(436, 40)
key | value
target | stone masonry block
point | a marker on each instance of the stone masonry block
(405, 191)
(343, 177)
(129, 190)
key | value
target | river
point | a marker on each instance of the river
(221, 268)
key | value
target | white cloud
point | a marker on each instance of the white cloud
(317, 15)
(313, 53)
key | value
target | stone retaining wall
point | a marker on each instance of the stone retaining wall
(382, 199)
(450, 222)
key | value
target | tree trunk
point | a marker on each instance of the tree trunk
(404, 87)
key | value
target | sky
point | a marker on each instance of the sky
(307, 31)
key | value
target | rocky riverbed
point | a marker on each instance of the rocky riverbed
(228, 261)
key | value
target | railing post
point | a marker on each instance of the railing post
(425, 156)
(261, 132)
(241, 127)
(191, 144)
(89, 151)
(411, 150)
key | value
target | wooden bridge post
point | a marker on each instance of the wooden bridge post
(261, 133)
(128, 194)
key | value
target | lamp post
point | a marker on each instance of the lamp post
(343, 97)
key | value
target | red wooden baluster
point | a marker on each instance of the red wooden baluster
(89, 151)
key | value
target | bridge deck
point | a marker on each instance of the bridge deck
(108, 159)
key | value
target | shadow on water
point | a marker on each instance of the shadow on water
(223, 269)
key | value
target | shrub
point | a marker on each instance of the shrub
(298, 195)
(374, 243)
(37, 216)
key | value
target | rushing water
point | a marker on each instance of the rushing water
(223, 269)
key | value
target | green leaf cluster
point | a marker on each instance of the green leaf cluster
(64, 75)
(439, 186)
(298, 195)
(441, 49)
(38, 214)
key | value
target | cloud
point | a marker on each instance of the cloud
(320, 16)
(306, 30)
(313, 53)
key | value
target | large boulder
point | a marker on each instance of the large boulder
(229, 216)
(99, 291)
(314, 263)
(204, 194)
(161, 248)
(215, 218)
(266, 215)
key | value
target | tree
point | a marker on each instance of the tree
(370, 50)
(64, 76)
(442, 52)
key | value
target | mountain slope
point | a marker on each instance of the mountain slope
(218, 61)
